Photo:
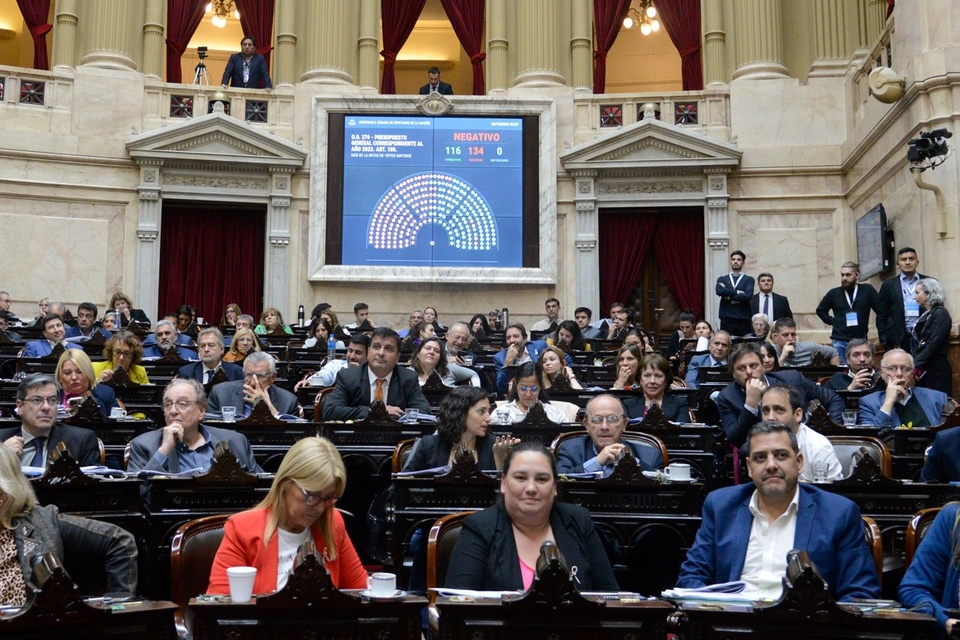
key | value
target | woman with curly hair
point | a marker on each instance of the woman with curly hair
(430, 356)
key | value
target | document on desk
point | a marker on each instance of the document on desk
(735, 591)
(470, 593)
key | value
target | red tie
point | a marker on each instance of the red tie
(378, 392)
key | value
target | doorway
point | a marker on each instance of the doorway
(211, 254)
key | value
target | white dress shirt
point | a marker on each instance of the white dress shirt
(765, 564)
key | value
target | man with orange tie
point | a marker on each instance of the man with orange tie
(379, 379)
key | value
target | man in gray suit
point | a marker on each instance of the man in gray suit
(259, 374)
(184, 443)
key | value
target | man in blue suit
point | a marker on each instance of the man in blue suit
(719, 350)
(747, 530)
(247, 69)
(739, 401)
(605, 422)
(210, 348)
(735, 290)
(165, 339)
(86, 324)
(517, 352)
(901, 402)
(53, 334)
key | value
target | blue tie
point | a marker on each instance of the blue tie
(38, 451)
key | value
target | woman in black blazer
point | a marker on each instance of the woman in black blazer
(932, 337)
(656, 378)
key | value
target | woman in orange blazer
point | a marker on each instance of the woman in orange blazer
(299, 508)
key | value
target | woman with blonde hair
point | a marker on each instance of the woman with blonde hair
(77, 380)
(122, 351)
(244, 343)
(300, 508)
(553, 365)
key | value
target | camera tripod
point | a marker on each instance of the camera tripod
(200, 75)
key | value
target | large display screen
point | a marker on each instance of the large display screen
(433, 191)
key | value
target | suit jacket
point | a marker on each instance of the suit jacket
(136, 315)
(693, 369)
(194, 371)
(829, 528)
(350, 398)
(41, 348)
(443, 89)
(931, 400)
(105, 396)
(155, 352)
(833, 309)
(533, 347)
(230, 394)
(891, 316)
(943, 458)
(429, 452)
(737, 420)
(258, 78)
(576, 451)
(146, 444)
(933, 337)
(781, 307)
(485, 557)
(243, 546)
(733, 305)
(74, 332)
(675, 408)
(81, 443)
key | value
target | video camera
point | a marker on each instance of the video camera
(928, 145)
(202, 52)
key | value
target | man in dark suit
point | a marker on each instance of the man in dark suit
(897, 310)
(210, 348)
(605, 421)
(166, 338)
(861, 375)
(901, 402)
(184, 443)
(259, 374)
(53, 334)
(847, 308)
(943, 458)
(719, 350)
(732, 542)
(38, 434)
(247, 69)
(435, 85)
(86, 325)
(773, 305)
(379, 379)
(735, 290)
(739, 401)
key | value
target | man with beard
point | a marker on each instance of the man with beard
(166, 339)
(847, 308)
(748, 530)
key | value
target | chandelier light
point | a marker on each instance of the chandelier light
(221, 10)
(645, 16)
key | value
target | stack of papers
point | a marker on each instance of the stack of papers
(735, 591)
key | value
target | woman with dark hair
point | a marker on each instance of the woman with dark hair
(932, 337)
(629, 358)
(525, 392)
(768, 356)
(431, 357)
(570, 338)
(479, 328)
(656, 378)
(430, 316)
(187, 321)
(230, 315)
(684, 331)
(319, 332)
(639, 337)
(417, 335)
(498, 547)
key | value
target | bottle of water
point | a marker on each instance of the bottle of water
(331, 348)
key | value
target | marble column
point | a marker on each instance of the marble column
(718, 237)
(587, 230)
(876, 20)
(830, 38)
(759, 40)
(64, 47)
(497, 46)
(285, 53)
(110, 27)
(325, 42)
(714, 43)
(538, 44)
(147, 292)
(276, 284)
(368, 45)
(581, 46)
(154, 47)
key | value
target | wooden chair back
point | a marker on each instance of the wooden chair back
(192, 550)
(916, 529)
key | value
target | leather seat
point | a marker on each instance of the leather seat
(192, 550)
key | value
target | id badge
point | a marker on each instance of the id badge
(912, 309)
(852, 319)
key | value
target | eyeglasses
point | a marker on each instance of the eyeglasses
(258, 376)
(123, 354)
(528, 389)
(183, 405)
(312, 499)
(611, 419)
(37, 401)
(897, 368)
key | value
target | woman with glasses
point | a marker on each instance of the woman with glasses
(656, 379)
(244, 343)
(525, 392)
(122, 351)
(299, 509)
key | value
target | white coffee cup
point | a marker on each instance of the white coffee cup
(229, 414)
(241, 581)
(382, 584)
(117, 413)
(677, 471)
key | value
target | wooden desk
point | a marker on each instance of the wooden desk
(270, 442)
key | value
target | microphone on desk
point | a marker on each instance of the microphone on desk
(550, 554)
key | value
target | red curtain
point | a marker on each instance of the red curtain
(256, 18)
(211, 256)
(890, 6)
(466, 16)
(398, 18)
(183, 18)
(681, 19)
(678, 247)
(625, 237)
(35, 14)
(607, 20)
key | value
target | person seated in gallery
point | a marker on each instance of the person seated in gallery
(271, 321)
(320, 331)
(5, 331)
(54, 334)
(210, 350)
(900, 402)
(629, 358)
(187, 321)
(930, 584)
(798, 353)
(684, 332)
(525, 392)
(123, 351)
(860, 375)
(553, 366)
(417, 335)
(122, 305)
(718, 351)
(430, 357)
(769, 357)
(257, 385)
(356, 356)
(570, 337)
(656, 380)
(166, 340)
(78, 382)
(228, 320)
(86, 326)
